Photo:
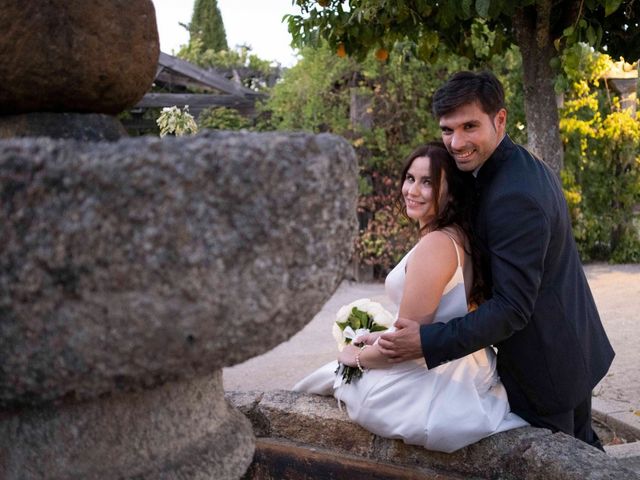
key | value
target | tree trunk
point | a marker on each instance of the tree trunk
(532, 29)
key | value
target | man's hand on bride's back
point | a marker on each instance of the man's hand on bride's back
(403, 344)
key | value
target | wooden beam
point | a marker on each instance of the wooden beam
(140, 124)
(171, 78)
(196, 100)
(208, 78)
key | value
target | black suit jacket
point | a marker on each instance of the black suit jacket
(541, 317)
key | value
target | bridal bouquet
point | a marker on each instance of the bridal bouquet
(358, 318)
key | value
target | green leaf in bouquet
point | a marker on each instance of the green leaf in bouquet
(344, 324)
(370, 323)
(358, 319)
(377, 328)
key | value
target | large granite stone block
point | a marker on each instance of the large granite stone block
(129, 264)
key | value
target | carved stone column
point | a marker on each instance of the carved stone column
(131, 272)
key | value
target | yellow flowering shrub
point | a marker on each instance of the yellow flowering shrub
(602, 162)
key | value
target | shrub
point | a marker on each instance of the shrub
(173, 121)
(222, 118)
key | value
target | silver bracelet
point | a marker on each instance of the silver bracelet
(358, 358)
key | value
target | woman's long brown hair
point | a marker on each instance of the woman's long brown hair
(456, 211)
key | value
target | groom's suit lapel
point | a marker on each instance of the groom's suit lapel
(485, 186)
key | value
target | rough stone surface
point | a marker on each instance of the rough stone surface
(177, 431)
(524, 453)
(76, 56)
(124, 265)
(297, 416)
(91, 127)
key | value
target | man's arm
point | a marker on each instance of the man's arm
(519, 234)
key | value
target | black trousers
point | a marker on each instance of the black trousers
(575, 422)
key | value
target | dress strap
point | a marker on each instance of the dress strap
(455, 245)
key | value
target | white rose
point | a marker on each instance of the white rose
(337, 334)
(345, 311)
(380, 315)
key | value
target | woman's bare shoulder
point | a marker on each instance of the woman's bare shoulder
(433, 245)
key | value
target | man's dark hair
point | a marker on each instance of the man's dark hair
(463, 88)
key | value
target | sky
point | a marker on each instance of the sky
(253, 22)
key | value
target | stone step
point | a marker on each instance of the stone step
(628, 454)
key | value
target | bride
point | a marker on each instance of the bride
(458, 402)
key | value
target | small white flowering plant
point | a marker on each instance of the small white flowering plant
(173, 121)
(358, 318)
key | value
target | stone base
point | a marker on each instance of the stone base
(303, 429)
(90, 127)
(180, 430)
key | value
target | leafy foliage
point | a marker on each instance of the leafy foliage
(208, 58)
(602, 174)
(384, 108)
(369, 24)
(305, 98)
(541, 28)
(222, 118)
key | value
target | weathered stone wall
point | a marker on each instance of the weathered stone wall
(315, 423)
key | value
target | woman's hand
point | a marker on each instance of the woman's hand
(348, 355)
(367, 338)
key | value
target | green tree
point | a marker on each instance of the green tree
(207, 26)
(540, 28)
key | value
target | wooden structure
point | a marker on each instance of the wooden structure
(177, 78)
(623, 78)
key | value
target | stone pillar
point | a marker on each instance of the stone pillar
(132, 272)
(91, 60)
(183, 429)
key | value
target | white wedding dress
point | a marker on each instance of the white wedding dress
(445, 408)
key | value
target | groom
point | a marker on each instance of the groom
(539, 312)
